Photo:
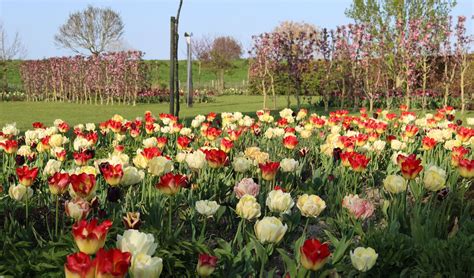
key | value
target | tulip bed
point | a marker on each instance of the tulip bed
(295, 195)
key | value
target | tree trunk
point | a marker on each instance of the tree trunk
(423, 89)
(264, 91)
(221, 81)
(446, 85)
(298, 93)
(463, 100)
(343, 93)
(407, 96)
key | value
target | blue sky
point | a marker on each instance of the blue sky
(147, 21)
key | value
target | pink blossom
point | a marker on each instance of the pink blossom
(246, 186)
(360, 208)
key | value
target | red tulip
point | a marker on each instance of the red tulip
(345, 158)
(410, 166)
(290, 142)
(89, 236)
(411, 130)
(79, 265)
(428, 143)
(212, 133)
(63, 127)
(269, 170)
(206, 265)
(38, 125)
(314, 254)
(9, 146)
(361, 139)
(149, 128)
(26, 176)
(112, 263)
(58, 183)
(211, 116)
(464, 133)
(358, 162)
(458, 153)
(216, 158)
(83, 184)
(115, 126)
(61, 155)
(150, 153)
(226, 145)
(466, 168)
(161, 142)
(112, 174)
(183, 142)
(234, 134)
(171, 183)
(81, 158)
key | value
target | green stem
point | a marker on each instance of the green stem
(306, 225)
(203, 230)
(57, 216)
(170, 213)
(26, 209)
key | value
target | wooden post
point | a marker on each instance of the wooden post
(172, 62)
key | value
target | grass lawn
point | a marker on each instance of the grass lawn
(25, 113)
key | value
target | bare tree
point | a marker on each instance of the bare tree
(201, 50)
(120, 45)
(219, 54)
(9, 49)
(93, 29)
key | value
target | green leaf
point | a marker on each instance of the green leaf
(290, 264)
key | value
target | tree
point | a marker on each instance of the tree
(326, 47)
(266, 61)
(389, 20)
(93, 30)
(223, 51)
(297, 46)
(9, 50)
(463, 42)
(449, 63)
(200, 50)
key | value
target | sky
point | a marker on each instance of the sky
(147, 21)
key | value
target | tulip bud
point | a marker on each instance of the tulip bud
(77, 209)
(363, 259)
(206, 265)
(314, 254)
(79, 265)
(132, 220)
(270, 230)
(89, 236)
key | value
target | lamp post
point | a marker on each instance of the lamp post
(189, 82)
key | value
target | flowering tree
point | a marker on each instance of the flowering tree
(342, 59)
(266, 61)
(462, 49)
(409, 37)
(449, 64)
(107, 77)
(297, 46)
(356, 55)
(326, 48)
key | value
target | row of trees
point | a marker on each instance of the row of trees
(393, 49)
(105, 78)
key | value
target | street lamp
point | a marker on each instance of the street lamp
(190, 72)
